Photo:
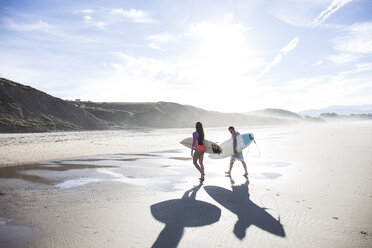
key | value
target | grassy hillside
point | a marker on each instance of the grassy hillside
(25, 109)
(169, 115)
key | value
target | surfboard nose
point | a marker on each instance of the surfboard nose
(247, 138)
(186, 142)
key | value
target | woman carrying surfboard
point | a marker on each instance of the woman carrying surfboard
(198, 147)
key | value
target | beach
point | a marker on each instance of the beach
(309, 185)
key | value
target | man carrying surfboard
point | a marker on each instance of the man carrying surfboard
(236, 156)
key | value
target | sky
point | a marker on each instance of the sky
(223, 55)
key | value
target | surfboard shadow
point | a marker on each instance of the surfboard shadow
(248, 213)
(180, 213)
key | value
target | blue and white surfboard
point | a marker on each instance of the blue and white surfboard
(243, 141)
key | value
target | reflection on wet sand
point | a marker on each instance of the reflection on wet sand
(147, 170)
(163, 171)
(19, 171)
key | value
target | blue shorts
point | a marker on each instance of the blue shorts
(238, 156)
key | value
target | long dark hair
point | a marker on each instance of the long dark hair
(200, 130)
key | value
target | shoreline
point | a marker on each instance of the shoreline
(25, 148)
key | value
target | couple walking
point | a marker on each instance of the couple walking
(198, 147)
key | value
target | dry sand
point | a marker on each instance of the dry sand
(311, 187)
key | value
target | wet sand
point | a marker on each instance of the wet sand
(311, 187)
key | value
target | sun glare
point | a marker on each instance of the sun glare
(221, 47)
(223, 57)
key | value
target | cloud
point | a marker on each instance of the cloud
(343, 58)
(350, 87)
(331, 9)
(358, 68)
(353, 44)
(319, 62)
(87, 11)
(356, 39)
(39, 26)
(84, 11)
(159, 41)
(134, 15)
(208, 29)
(291, 45)
(140, 66)
(90, 21)
(29, 27)
(287, 48)
(301, 13)
(103, 18)
(88, 18)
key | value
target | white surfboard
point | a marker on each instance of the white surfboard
(210, 147)
(242, 141)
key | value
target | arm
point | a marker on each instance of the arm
(234, 143)
(195, 137)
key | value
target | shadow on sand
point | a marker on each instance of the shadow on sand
(180, 213)
(248, 213)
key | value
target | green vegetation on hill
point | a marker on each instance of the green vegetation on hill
(168, 115)
(25, 109)
(14, 125)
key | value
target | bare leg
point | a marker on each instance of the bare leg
(245, 168)
(195, 158)
(201, 157)
(231, 166)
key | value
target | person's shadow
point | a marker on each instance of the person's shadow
(248, 213)
(180, 213)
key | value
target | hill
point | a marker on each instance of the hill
(278, 113)
(340, 110)
(25, 109)
(351, 117)
(169, 115)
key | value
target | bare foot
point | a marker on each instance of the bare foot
(201, 179)
(227, 172)
(245, 174)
